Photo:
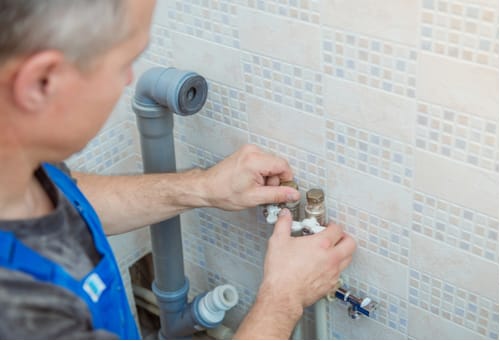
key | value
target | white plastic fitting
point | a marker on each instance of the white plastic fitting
(215, 303)
(272, 213)
(310, 223)
(365, 302)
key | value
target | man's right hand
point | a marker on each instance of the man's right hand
(298, 271)
(305, 268)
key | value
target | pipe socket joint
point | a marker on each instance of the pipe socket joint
(213, 305)
(182, 92)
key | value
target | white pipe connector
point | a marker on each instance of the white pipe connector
(272, 213)
(311, 224)
(215, 303)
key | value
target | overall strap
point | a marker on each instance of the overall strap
(109, 306)
(75, 196)
(16, 256)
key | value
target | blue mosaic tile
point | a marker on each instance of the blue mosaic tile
(446, 222)
(460, 29)
(375, 63)
(381, 236)
(369, 153)
(437, 297)
(284, 83)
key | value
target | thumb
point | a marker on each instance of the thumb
(283, 227)
(267, 194)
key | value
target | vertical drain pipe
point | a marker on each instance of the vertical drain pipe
(161, 92)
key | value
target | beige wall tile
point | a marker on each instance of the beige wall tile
(289, 40)
(488, 3)
(210, 135)
(210, 60)
(380, 197)
(423, 325)
(394, 20)
(245, 218)
(137, 240)
(388, 115)
(221, 262)
(456, 266)
(362, 329)
(285, 124)
(197, 276)
(380, 272)
(183, 158)
(160, 14)
(126, 166)
(457, 182)
(190, 223)
(462, 86)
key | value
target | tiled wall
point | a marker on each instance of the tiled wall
(390, 106)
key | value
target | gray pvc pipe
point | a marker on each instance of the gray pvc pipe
(172, 90)
(320, 318)
(159, 93)
(298, 333)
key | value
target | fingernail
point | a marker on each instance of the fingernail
(284, 212)
(293, 196)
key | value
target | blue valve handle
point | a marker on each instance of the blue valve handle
(345, 296)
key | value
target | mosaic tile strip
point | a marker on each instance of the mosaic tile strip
(376, 63)
(457, 135)
(283, 83)
(392, 311)
(309, 169)
(194, 249)
(214, 21)
(457, 226)
(109, 147)
(159, 50)
(444, 299)
(227, 105)
(304, 10)
(244, 243)
(460, 29)
(200, 158)
(369, 153)
(376, 234)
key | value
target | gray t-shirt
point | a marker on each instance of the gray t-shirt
(31, 309)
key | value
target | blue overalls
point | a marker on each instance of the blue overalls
(102, 289)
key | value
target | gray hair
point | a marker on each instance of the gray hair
(81, 29)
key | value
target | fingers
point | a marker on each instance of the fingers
(270, 165)
(274, 194)
(273, 180)
(283, 227)
(332, 235)
(344, 248)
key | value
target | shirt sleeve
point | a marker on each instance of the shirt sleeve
(36, 310)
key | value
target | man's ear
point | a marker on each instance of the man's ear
(37, 79)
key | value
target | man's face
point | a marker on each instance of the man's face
(91, 95)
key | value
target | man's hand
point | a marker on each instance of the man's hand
(248, 178)
(297, 272)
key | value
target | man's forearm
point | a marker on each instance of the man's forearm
(271, 317)
(124, 203)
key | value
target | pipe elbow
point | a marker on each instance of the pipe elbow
(182, 92)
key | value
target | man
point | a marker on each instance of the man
(63, 65)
